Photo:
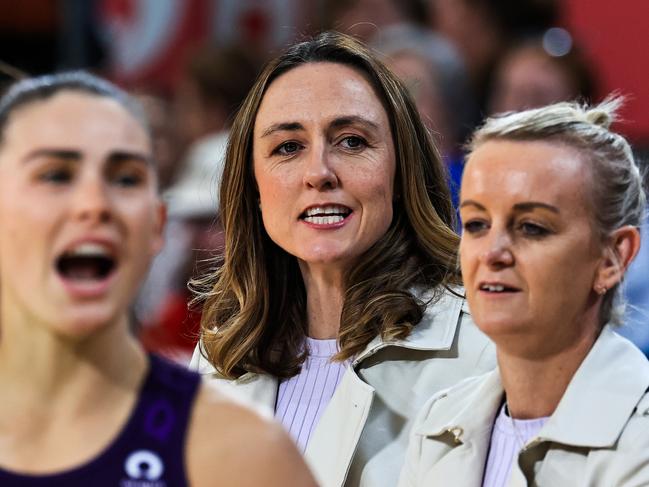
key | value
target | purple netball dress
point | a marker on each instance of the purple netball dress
(149, 451)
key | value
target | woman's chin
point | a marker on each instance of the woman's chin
(78, 324)
(501, 325)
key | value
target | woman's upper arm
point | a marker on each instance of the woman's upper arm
(229, 444)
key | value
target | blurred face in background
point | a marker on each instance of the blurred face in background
(80, 218)
(530, 78)
(324, 163)
(420, 78)
(365, 18)
(470, 26)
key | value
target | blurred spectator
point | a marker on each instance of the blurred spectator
(483, 29)
(165, 145)
(541, 71)
(193, 236)
(214, 85)
(367, 19)
(435, 75)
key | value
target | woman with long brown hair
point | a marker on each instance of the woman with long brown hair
(337, 301)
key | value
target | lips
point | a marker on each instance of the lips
(328, 214)
(87, 262)
(497, 288)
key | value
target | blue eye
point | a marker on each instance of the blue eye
(287, 148)
(474, 226)
(532, 229)
(353, 142)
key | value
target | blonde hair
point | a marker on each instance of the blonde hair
(618, 197)
(254, 306)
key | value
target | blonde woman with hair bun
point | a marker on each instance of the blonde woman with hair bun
(551, 202)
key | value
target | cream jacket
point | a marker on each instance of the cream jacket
(597, 437)
(362, 436)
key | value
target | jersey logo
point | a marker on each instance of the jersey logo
(144, 469)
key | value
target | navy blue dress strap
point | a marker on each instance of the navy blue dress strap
(149, 451)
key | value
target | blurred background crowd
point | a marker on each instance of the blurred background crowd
(191, 63)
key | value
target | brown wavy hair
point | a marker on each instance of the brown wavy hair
(254, 305)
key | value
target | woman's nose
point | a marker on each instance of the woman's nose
(498, 252)
(92, 202)
(319, 173)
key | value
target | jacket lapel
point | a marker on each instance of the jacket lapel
(334, 441)
(601, 396)
(465, 430)
(256, 390)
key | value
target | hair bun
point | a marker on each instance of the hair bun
(605, 113)
(600, 117)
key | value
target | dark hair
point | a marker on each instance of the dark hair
(412, 11)
(254, 315)
(30, 90)
(515, 18)
(573, 64)
(223, 75)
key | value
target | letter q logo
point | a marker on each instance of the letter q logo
(144, 465)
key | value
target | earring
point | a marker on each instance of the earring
(601, 290)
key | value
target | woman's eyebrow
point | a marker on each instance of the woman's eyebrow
(526, 206)
(353, 120)
(532, 205)
(75, 155)
(65, 154)
(118, 157)
(472, 203)
(284, 126)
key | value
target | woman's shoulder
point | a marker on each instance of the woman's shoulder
(229, 442)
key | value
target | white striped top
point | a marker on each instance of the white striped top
(508, 437)
(302, 399)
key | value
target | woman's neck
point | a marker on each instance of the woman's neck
(534, 386)
(324, 296)
(64, 399)
(39, 366)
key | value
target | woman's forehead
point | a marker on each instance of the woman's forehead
(322, 90)
(74, 117)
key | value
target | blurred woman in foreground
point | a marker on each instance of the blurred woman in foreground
(337, 303)
(551, 202)
(80, 220)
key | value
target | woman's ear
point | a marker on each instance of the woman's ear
(622, 247)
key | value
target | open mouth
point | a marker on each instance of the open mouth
(498, 288)
(86, 262)
(325, 215)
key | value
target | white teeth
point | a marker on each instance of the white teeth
(495, 288)
(88, 249)
(324, 220)
(326, 210)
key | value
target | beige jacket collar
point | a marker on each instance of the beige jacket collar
(601, 396)
(592, 412)
(435, 331)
